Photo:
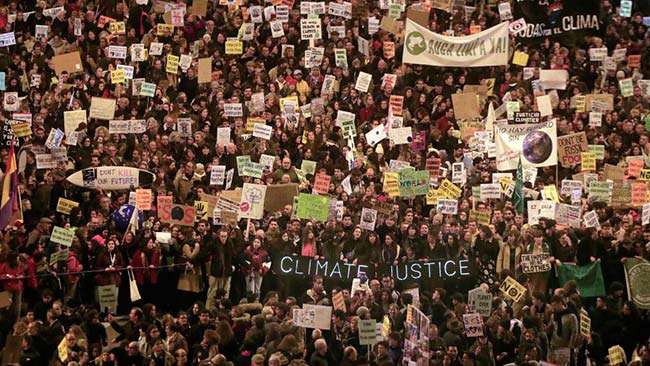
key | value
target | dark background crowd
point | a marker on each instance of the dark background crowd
(208, 293)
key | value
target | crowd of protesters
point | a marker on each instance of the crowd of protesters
(208, 295)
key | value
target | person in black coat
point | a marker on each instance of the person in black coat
(221, 250)
(30, 356)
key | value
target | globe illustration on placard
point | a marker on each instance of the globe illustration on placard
(537, 147)
(415, 43)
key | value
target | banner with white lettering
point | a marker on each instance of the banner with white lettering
(309, 267)
(567, 21)
(487, 48)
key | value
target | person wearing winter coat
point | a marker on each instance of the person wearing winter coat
(563, 330)
(110, 261)
(255, 257)
(147, 279)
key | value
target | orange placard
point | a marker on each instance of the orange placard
(634, 61)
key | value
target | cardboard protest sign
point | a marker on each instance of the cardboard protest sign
(172, 213)
(570, 148)
(323, 316)
(205, 70)
(102, 108)
(338, 301)
(466, 105)
(70, 62)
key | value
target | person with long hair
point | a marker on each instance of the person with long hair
(11, 274)
(486, 251)
(256, 257)
(111, 262)
(228, 345)
(148, 256)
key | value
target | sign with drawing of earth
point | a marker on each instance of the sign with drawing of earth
(638, 281)
(537, 146)
(415, 43)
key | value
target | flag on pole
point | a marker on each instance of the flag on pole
(9, 196)
(518, 194)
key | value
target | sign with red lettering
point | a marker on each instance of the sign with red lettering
(570, 147)
(171, 213)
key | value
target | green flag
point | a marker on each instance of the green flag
(637, 277)
(518, 194)
(589, 278)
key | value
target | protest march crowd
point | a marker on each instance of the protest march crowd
(435, 183)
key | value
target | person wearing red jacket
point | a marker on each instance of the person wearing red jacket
(255, 256)
(73, 265)
(147, 279)
(110, 260)
(11, 277)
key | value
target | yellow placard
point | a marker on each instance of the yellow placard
(118, 76)
(172, 64)
(62, 350)
(588, 160)
(390, 184)
(616, 355)
(432, 197)
(520, 58)
(490, 85)
(505, 182)
(644, 174)
(481, 217)
(449, 190)
(65, 206)
(293, 98)
(201, 210)
(234, 47)
(161, 28)
(581, 103)
(250, 123)
(512, 289)
(550, 192)
(22, 129)
(117, 28)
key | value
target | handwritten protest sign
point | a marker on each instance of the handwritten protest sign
(535, 263)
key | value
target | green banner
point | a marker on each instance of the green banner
(637, 276)
(589, 278)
